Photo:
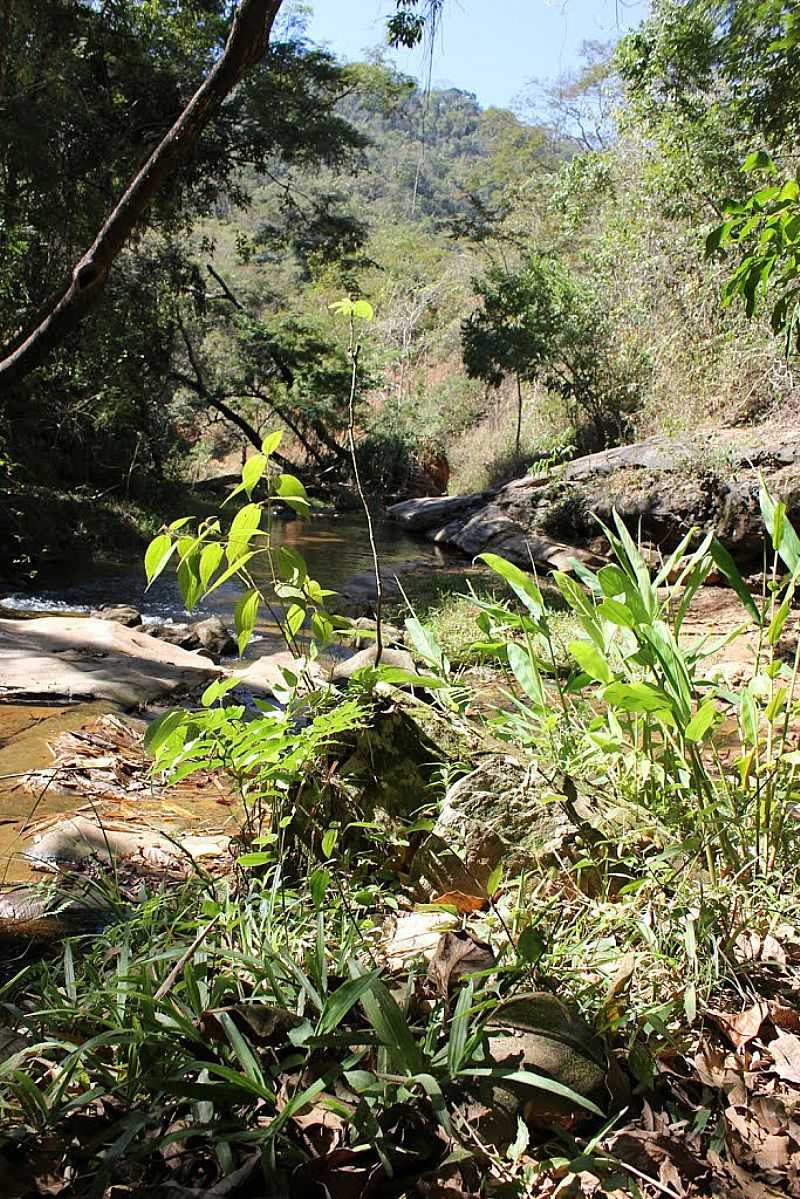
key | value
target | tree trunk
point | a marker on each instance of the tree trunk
(6, 13)
(519, 417)
(246, 45)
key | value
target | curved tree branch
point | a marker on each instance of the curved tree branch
(246, 45)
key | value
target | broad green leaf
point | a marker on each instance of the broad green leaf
(725, 563)
(775, 705)
(579, 602)
(161, 729)
(426, 645)
(245, 615)
(526, 673)
(216, 690)
(613, 580)
(249, 860)
(289, 485)
(591, 660)
(759, 160)
(779, 620)
(271, 442)
(520, 583)
(787, 543)
(628, 550)
(397, 677)
(318, 883)
(615, 612)
(701, 722)
(243, 527)
(252, 471)
(157, 555)
(234, 567)
(188, 572)
(297, 503)
(778, 522)
(748, 715)
(209, 561)
(295, 616)
(637, 697)
(329, 839)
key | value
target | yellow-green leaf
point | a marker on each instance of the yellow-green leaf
(701, 722)
(591, 660)
(157, 555)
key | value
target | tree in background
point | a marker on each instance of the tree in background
(706, 82)
(543, 325)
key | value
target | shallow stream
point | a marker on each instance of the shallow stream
(335, 548)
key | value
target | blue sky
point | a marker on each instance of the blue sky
(490, 47)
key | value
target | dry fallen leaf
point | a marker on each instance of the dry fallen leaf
(735, 1182)
(784, 1017)
(773, 951)
(785, 1050)
(663, 1157)
(774, 1153)
(462, 902)
(740, 1027)
(458, 954)
(415, 935)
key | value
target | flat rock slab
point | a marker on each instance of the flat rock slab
(661, 487)
(62, 657)
(423, 515)
(266, 676)
(79, 839)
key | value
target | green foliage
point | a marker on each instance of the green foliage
(657, 735)
(763, 230)
(708, 80)
(544, 324)
(93, 88)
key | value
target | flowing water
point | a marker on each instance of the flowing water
(335, 548)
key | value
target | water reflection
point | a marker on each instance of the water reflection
(334, 547)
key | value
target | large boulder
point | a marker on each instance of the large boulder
(501, 813)
(268, 674)
(661, 487)
(383, 774)
(78, 658)
(78, 840)
(428, 513)
(539, 1034)
(400, 659)
(122, 613)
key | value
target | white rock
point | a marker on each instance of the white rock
(66, 657)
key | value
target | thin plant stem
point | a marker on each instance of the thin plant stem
(354, 350)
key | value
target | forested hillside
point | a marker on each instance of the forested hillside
(581, 218)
